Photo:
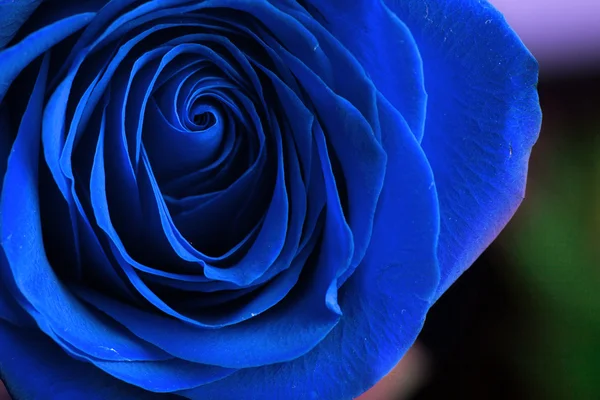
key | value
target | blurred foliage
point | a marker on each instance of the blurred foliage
(524, 321)
(556, 252)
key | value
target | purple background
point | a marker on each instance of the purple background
(564, 35)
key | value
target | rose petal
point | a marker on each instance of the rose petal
(384, 302)
(34, 367)
(54, 308)
(384, 48)
(483, 117)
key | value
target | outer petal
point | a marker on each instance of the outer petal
(14, 59)
(13, 15)
(483, 117)
(34, 367)
(384, 47)
(9, 308)
(384, 302)
(49, 301)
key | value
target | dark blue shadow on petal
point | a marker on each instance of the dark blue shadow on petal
(52, 305)
(12, 16)
(34, 367)
(384, 301)
(17, 57)
(10, 309)
(384, 47)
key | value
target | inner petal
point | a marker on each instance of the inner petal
(192, 148)
(204, 119)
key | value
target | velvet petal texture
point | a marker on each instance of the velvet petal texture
(232, 199)
(482, 115)
(12, 16)
(34, 367)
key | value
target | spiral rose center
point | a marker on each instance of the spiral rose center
(203, 120)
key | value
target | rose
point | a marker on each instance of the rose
(231, 199)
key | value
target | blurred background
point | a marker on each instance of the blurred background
(524, 321)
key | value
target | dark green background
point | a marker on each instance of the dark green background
(524, 321)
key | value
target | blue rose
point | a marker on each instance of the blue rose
(245, 199)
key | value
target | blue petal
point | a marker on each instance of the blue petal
(262, 302)
(55, 309)
(162, 376)
(384, 302)
(353, 144)
(384, 47)
(483, 118)
(10, 309)
(33, 367)
(17, 57)
(165, 376)
(284, 332)
(193, 149)
(6, 137)
(12, 16)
